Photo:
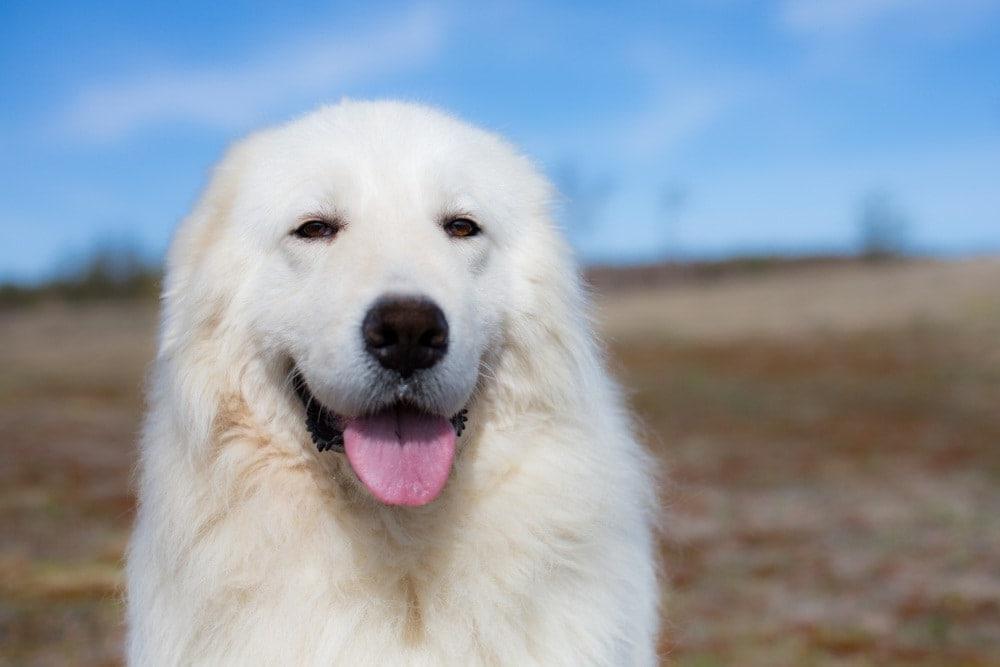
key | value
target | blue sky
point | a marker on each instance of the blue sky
(684, 128)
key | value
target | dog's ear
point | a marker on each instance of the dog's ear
(195, 288)
(196, 299)
(547, 333)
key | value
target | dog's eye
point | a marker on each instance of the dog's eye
(315, 229)
(461, 227)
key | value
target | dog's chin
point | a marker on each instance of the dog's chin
(401, 451)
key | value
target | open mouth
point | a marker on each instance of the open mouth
(403, 455)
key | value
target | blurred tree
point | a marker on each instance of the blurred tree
(882, 226)
(112, 268)
(673, 199)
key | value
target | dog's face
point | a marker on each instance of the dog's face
(373, 247)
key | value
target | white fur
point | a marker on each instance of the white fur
(253, 548)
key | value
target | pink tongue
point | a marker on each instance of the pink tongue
(402, 456)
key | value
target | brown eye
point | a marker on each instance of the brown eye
(461, 227)
(315, 229)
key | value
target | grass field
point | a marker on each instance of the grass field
(832, 436)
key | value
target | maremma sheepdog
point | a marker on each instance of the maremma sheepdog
(380, 430)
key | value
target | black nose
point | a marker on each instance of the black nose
(405, 334)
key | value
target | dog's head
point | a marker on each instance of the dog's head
(377, 253)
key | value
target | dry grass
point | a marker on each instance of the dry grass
(69, 409)
(832, 436)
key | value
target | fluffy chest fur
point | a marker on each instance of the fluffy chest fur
(524, 560)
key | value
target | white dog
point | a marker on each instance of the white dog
(351, 288)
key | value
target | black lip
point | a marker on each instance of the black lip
(327, 428)
(324, 426)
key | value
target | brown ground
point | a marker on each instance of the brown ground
(832, 436)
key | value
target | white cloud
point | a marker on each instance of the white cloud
(671, 120)
(681, 99)
(879, 38)
(837, 18)
(235, 95)
(833, 16)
